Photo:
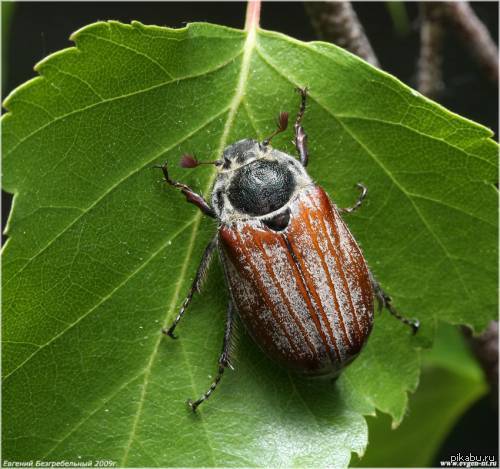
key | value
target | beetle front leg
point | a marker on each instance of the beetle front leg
(300, 135)
(360, 200)
(195, 287)
(224, 359)
(191, 196)
(384, 301)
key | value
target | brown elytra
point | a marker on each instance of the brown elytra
(303, 293)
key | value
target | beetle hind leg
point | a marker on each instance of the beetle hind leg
(385, 301)
(224, 359)
(195, 286)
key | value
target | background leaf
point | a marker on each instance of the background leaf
(7, 9)
(451, 382)
(100, 253)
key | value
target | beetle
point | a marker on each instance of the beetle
(297, 279)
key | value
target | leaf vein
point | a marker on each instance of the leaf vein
(131, 49)
(400, 124)
(111, 189)
(116, 98)
(103, 299)
(75, 77)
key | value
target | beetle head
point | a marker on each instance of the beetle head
(245, 151)
(241, 153)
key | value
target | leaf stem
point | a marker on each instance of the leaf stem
(252, 18)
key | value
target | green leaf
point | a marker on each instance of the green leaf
(451, 382)
(100, 254)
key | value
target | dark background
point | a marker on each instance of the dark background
(37, 29)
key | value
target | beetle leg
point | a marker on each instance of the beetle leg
(191, 196)
(358, 203)
(300, 135)
(223, 358)
(195, 287)
(385, 301)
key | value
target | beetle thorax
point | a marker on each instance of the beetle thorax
(255, 181)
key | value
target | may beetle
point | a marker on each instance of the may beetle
(296, 276)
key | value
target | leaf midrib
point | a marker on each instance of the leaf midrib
(248, 48)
